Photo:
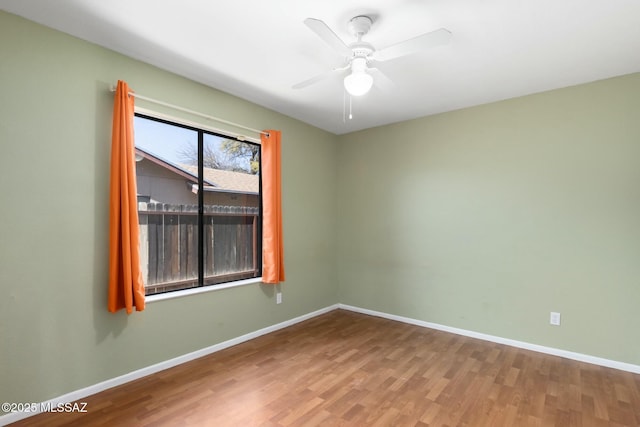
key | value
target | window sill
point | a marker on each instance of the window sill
(201, 290)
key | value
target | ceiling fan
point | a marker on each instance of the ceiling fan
(361, 55)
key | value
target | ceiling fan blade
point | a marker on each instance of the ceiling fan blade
(381, 80)
(311, 81)
(425, 41)
(325, 33)
(318, 78)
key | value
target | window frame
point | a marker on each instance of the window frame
(201, 130)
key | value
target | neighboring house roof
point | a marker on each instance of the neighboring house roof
(237, 182)
(214, 179)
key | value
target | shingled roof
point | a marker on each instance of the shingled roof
(237, 182)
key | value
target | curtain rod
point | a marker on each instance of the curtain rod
(195, 113)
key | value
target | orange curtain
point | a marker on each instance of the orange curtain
(272, 245)
(126, 288)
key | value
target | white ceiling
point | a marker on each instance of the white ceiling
(258, 49)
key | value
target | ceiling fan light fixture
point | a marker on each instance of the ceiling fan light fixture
(358, 83)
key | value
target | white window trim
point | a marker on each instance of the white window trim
(200, 290)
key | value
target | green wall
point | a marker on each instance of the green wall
(488, 218)
(56, 335)
(484, 219)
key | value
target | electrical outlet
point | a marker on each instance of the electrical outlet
(279, 298)
(554, 318)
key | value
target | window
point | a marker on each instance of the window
(199, 206)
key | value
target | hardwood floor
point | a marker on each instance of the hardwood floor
(349, 369)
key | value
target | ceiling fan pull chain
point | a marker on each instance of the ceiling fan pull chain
(350, 108)
(344, 105)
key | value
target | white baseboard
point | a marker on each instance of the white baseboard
(513, 343)
(105, 385)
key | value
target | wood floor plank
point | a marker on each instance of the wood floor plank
(350, 369)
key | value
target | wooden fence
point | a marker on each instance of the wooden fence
(169, 245)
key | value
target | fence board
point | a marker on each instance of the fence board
(188, 249)
(170, 242)
(155, 254)
(208, 246)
